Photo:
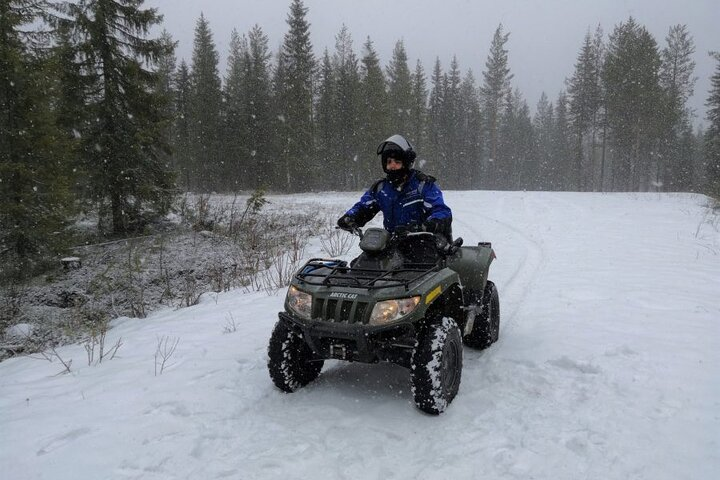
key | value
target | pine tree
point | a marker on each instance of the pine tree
(347, 77)
(325, 119)
(516, 159)
(165, 88)
(493, 92)
(124, 148)
(681, 171)
(258, 108)
(205, 112)
(280, 126)
(399, 91)
(417, 129)
(561, 176)
(451, 119)
(436, 112)
(34, 194)
(374, 123)
(470, 139)
(181, 127)
(294, 99)
(527, 159)
(677, 82)
(584, 96)
(71, 115)
(236, 135)
(699, 163)
(544, 124)
(599, 132)
(712, 135)
(632, 88)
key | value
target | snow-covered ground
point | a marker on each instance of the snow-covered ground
(607, 367)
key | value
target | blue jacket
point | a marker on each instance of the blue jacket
(418, 200)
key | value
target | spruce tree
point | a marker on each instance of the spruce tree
(544, 123)
(347, 77)
(166, 71)
(599, 132)
(294, 100)
(561, 177)
(280, 126)
(505, 160)
(124, 148)
(712, 135)
(493, 92)
(470, 139)
(258, 109)
(399, 90)
(235, 129)
(71, 115)
(374, 116)
(527, 160)
(34, 194)
(584, 96)
(70, 112)
(417, 129)
(634, 99)
(516, 158)
(677, 81)
(205, 109)
(325, 120)
(181, 127)
(699, 163)
(436, 111)
(451, 119)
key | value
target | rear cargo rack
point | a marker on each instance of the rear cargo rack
(336, 273)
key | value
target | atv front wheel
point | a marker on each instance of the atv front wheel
(486, 325)
(291, 363)
(436, 366)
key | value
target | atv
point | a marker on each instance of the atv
(410, 298)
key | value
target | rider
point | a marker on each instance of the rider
(409, 199)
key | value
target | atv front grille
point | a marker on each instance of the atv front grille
(339, 311)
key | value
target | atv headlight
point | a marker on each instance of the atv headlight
(299, 302)
(390, 310)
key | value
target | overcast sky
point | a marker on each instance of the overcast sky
(545, 35)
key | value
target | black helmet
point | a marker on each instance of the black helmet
(396, 147)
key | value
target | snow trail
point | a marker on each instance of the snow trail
(606, 368)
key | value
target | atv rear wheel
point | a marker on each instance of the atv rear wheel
(291, 363)
(436, 366)
(486, 325)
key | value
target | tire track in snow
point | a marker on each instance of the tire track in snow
(523, 272)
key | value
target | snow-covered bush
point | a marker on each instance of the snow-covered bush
(253, 245)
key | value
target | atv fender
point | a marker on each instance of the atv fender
(472, 264)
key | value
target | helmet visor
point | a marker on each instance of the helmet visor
(397, 142)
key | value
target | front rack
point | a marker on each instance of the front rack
(336, 273)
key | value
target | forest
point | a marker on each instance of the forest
(98, 114)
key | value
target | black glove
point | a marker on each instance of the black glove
(442, 244)
(346, 222)
(433, 225)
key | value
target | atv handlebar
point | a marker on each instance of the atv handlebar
(442, 244)
(354, 231)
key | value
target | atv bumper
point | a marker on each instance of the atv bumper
(355, 342)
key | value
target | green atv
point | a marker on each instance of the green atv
(411, 299)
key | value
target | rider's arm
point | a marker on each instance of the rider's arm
(364, 210)
(439, 215)
(434, 203)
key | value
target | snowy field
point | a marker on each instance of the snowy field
(607, 367)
